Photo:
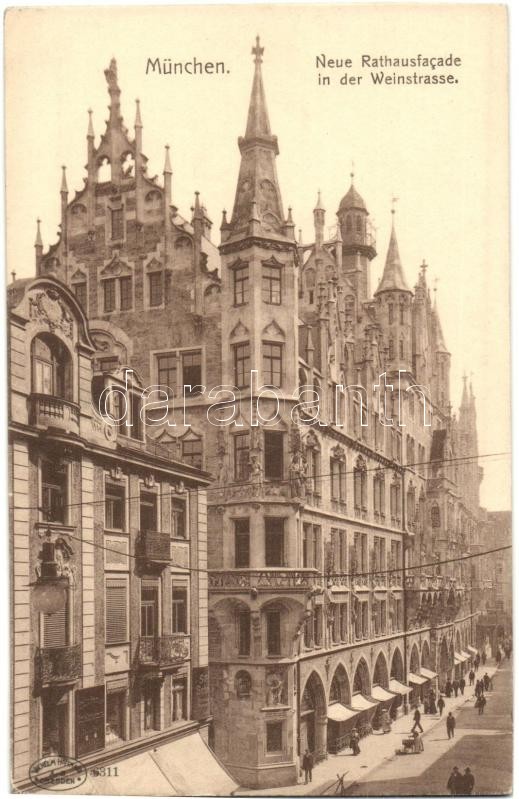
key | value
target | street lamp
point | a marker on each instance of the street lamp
(49, 593)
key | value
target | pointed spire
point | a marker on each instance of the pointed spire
(224, 223)
(38, 242)
(393, 276)
(167, 163)
(64, 187)
(90, 131)
(197, 210)
(319, 204)
(258, 123)
(138, 120)
(464, 393)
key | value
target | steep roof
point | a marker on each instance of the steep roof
(393, 276)
(352, 199)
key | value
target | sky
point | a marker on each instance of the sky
(441, 150)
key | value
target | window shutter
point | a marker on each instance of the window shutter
(55, 629)
(116, 611)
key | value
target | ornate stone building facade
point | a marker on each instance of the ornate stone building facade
(329, 597)
(120, 664)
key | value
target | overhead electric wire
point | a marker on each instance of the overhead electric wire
(288, 481)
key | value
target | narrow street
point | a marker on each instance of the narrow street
(484, 743)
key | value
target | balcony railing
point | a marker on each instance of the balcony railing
(48, 411)
(264, 579)
(163, 650)
(58, 665)
(155, 547)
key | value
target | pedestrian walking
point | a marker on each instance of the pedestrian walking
(308, 764)
(480, 704)
(498, 657)
(417, 718)
(479, 688)
(354, 741)
(483, 658)
(462, 686)
(477, 661)
(455, 687)
(468, 782)
(385, 721)
(450, 723)
(454, 782)
(448, 689)
(472, 677)
(486, 681)
(432, 705)
(441, 705)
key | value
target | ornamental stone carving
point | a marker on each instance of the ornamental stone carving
(47, 309)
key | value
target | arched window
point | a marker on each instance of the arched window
(348, 224)
(51, 367)
(358, 224)
(379, 494)
(313, 461)
(411, 505)
(395, 499)
(338, 474)
(104, 171)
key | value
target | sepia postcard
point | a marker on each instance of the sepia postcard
(258, 362)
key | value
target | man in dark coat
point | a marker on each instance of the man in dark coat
(480, 704)
(477, 661)
(455, 687)
(308, 764)
(468, 782)
(441, 704)
(417, 718)
(455, 782)
(450, 723)
(483, 658)
(462, 686)
(486, 681)
(472, 677)
(448, 689)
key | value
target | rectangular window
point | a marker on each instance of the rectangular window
(117, 223)
(179, 699)
(344, 620)
(338, 473)
(274, 541)
(271, 285)
(54, 491)
(273, 632)
(179, 610)
(125, 290)
(316, 546)
(148, 512)
(178, 518)
(55, 629)
(274, 736)
(116, 607)
(241, 456)
(273, 455)
(243, 632)
(114, 506)
(272, 364)
(155, 289)
(192, 452)
(109, 295)
(80, 290)
(149, 609)
(167, 371)
(192, 372)
(242, 365)
(241, 544)
(318, 626)
(241, 285)
(306, 546)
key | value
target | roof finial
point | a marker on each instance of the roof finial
(300, 241)
(90, 132)
(64, 187)
(394, 201)
(352, 173)
(257, 51)
(138, 120)
(13, 275)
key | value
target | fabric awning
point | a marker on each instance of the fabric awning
(465, 654)
(416, 679)
(381, 694)
(185, 767)
(399, 688)
(339, 712)
(192, 768)
(472, 650)
(460, 657)
(360, 702)
(428, 673)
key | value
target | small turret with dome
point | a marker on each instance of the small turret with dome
(358, 241)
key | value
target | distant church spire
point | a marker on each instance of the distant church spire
(257, 181)
(393, 276)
